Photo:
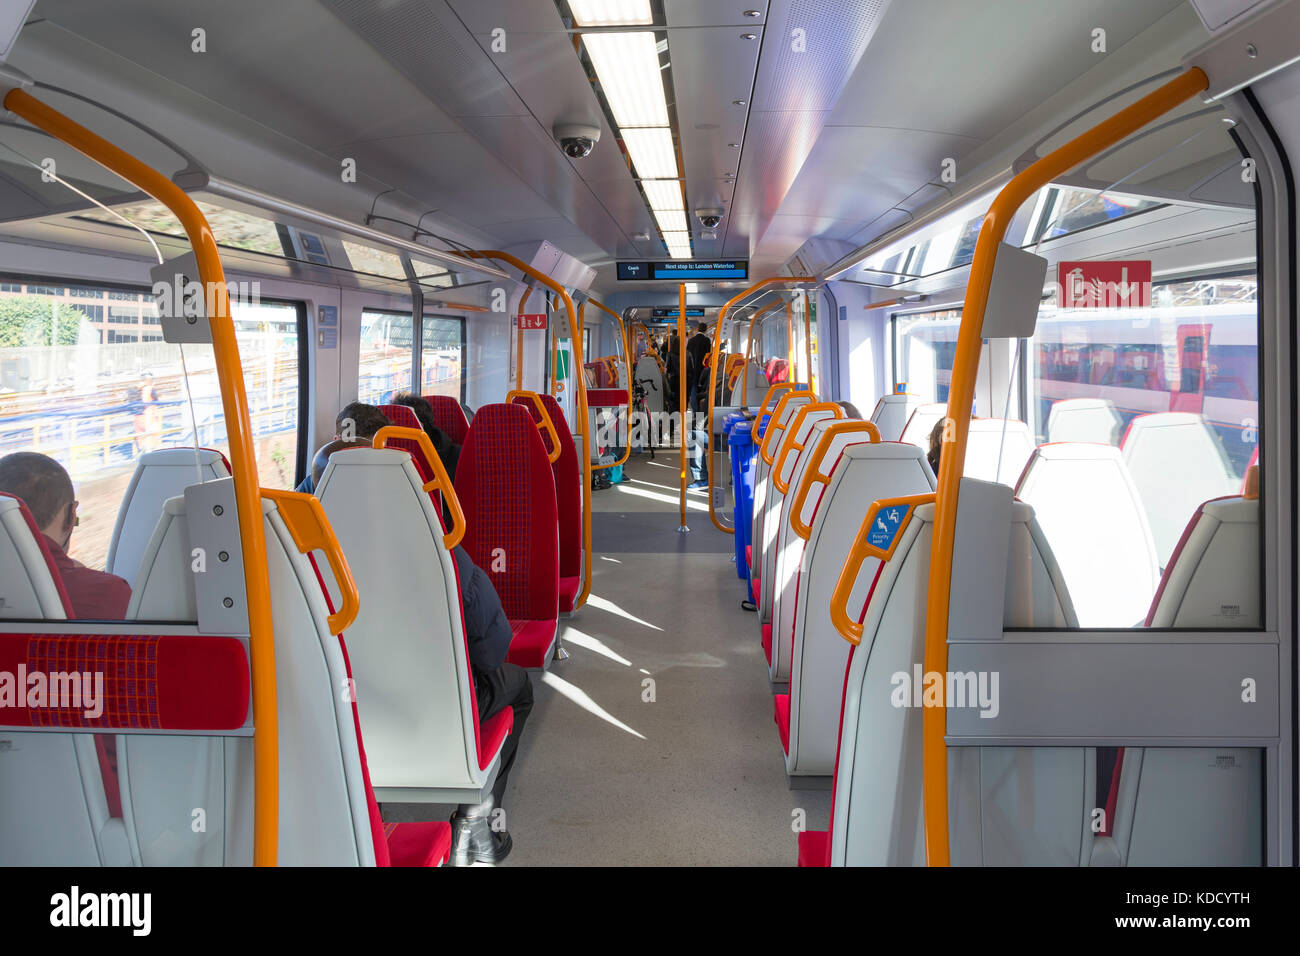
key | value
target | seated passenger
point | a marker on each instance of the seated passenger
(356, 425)
(448, 451)
(936, 445)
(45, 487)
(497, 685)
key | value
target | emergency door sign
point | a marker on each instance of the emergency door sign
(1110, 284)
(531, 321)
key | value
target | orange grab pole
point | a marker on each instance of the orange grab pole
(440, 482)
(239, 432)
(519, 339)
(807, 339)
(960, 396)
(713, 376)
(791, 353)
(681, 400)
(580, 401)
(749, 347)
(627, 362)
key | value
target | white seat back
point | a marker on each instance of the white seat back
(921, 423)
(53, 809)
(1176, 461)
(1089, 508)
(891, 415)
(864, 473)
(776, 522)
(407, 645)
(159, 475)
(1199, 806)
(1084, 420)
(1028, 801)
(324, 812)
(997, 450)
(763, 490)
(790, 547)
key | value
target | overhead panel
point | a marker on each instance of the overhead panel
(810, 49)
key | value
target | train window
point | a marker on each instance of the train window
(442, 357)
(374, 261)
(232, 228)
(925, 345)
(385, 361)
(93, 386)
(437, 277)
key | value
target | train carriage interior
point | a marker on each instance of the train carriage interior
(648, 433)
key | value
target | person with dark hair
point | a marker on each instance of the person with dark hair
(448, 451)
(936, 445)
(497, 684)
(354, 426)
(44, 486)
(697, 349)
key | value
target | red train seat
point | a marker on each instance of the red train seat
(450, 417)
(568, 497)
(507, 491)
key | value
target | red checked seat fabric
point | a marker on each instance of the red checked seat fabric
(507, 491)
(403, 417)
(450, 417)
(568, 498)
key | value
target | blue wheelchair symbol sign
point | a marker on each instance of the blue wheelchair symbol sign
(885, 525)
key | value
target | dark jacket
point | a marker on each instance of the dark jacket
(487, 630)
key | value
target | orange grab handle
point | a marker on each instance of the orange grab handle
(766, 448)
(545, 424)
(440, 481)
(792, 444)
(961, 394)
(868, 544)
(311, 531)
(814, 474)
(771, 396)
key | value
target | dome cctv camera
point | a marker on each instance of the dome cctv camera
(576, 139)
(709, 217)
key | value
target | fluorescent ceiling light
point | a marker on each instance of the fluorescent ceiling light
(663, 194)
(671, 220)
(652, 152)
(679, 244)
(610, 13)
(627, 65)
(692, 288)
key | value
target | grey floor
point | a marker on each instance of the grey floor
(654, 744)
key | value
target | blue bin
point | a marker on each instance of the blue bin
(740, 443)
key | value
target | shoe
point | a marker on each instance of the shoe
(696, 485)
(474, 841)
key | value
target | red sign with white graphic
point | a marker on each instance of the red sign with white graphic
(1111, 284)
(531, 320)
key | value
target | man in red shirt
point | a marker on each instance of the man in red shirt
(46, 489)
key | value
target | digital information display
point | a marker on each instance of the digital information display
(685, 270)
(672, 313)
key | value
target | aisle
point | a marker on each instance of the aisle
(695, 776)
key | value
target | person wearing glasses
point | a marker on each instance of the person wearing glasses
(44, 486)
